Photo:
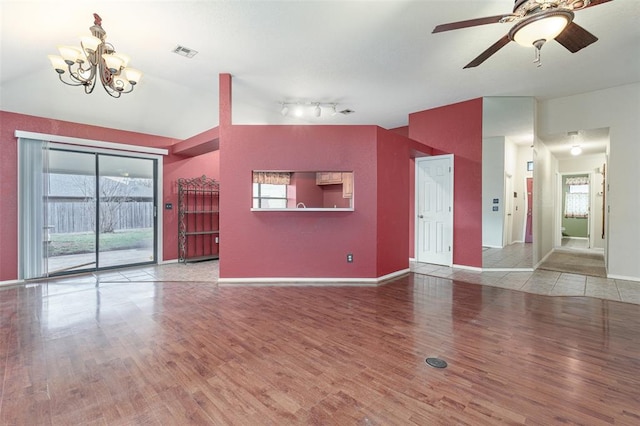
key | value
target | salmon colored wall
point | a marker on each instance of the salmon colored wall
(306, 190)
(393, 202)
(298, 243)
(174, 166)
(457, 129)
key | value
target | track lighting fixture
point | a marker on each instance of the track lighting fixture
(300, 108)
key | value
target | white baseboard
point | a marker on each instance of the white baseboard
(309, 282)
(468, 268)
(11, 282)
(624, 278)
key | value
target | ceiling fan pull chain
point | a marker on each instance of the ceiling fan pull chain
(538, 46)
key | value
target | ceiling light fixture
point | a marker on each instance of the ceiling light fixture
(301, 107)
(576, 150)
(96, 60)
(539, 28)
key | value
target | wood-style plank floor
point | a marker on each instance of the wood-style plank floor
(194, 353)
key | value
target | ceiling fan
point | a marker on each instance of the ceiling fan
(536, 22)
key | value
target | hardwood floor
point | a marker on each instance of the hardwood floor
(193, 353)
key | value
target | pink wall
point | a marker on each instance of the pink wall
(174, 166)
(297, 244)
(457, 129)
(394, 209)
(306, 190)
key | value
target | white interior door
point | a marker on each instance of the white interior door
(434, 210)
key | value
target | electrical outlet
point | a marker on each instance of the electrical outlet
(349, 258)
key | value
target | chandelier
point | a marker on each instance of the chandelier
(96, 60)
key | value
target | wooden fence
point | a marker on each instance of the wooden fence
(68, 216)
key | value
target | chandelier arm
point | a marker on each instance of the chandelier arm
(111, 92)
(68, 84)
(92, 83)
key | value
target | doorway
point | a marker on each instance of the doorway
(85, 210)
(575, 215)
(434, 210)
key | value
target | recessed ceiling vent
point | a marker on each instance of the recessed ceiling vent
(346, 111)
(185, 51)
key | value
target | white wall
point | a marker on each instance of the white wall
(619, 109)
(492, 188)
(523, 155)
(544, 196)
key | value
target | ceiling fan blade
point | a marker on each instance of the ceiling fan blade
(574, 38)
(597, 2)
(490, 51)
(469, 23)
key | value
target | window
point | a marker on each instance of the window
(577, 198)
(266, 195)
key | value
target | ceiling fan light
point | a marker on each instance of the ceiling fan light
(544, 26)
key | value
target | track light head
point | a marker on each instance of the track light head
(317, 110)
(285, 110)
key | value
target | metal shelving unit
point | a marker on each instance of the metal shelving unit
(198, 219)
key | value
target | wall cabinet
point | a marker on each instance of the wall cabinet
(328, 178)
(337, 178)
(199, 219)
(347, 185)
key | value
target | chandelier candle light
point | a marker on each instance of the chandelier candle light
(97, 59)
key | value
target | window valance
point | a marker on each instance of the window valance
(273, 178)
(577, 180)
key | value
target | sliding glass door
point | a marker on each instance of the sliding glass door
(70, 212)
(126, 211)
(84, 211)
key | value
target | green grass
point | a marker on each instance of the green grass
(77, 243)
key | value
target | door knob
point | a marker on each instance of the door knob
(420, 216)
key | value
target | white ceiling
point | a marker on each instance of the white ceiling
(378, 58)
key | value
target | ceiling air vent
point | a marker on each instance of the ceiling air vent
(185, 51)
(346, 111)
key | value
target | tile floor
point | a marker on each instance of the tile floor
(548, 283)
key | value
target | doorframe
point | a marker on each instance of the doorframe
(507, 224)
(557, 241)
(419, 160)
(103, 147)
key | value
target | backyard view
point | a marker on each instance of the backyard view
(98, 213)
(81, 243)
